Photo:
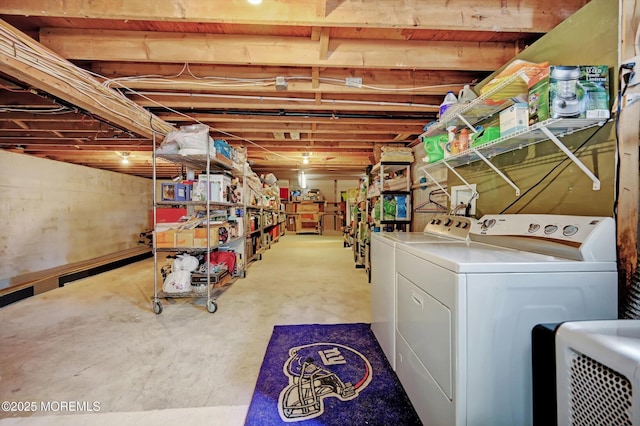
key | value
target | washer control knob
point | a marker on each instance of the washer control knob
(488, 223)
(534, 227)
(550, 229)
(448, 222)
(464, 225)
(569, 230)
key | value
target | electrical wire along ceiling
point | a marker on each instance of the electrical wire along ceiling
(86, 82)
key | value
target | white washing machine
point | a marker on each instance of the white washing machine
(465, 311)
(441, 228)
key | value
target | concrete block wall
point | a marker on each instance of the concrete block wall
(54, 213)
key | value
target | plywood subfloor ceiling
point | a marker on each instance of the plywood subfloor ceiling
(88, 82)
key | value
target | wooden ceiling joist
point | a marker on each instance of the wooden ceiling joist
(458, 15)
(139, 46)
(124, 114)
(343, 120)
(383, 79)
(188, 102)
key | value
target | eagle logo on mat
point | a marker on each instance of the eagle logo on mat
(318, 371)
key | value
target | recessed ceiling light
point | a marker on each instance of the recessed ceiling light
(255, 1)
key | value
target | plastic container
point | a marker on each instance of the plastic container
(466, 94)
(463, 140)
(451, 132)
(449, 100)
(434, 147)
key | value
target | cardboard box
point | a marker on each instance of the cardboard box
(514, 118)
(219, 187)
(538, 97)
(184, 238)
(578, 91)
(311, 217)
(200, 237)
(165, 239)
(487, 135)
(284, 193)
(167, 215)
(174, 192)
(308, 208)
(591, 92)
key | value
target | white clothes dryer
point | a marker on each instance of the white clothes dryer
(441, 228)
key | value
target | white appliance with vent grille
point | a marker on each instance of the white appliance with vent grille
(598, 373)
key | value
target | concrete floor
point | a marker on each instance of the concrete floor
(97, 339)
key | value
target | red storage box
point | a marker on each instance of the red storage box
(284, 193)
(167, 215)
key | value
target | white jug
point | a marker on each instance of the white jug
(466, 94)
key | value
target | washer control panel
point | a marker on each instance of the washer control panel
(574, 237)
(451, 226)
(570, 228)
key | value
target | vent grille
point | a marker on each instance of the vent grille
(598, 395)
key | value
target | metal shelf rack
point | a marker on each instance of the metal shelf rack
(484, 107)
(207, 163)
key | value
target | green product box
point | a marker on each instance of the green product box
(487, 135)
(574, 91)
(539, 97)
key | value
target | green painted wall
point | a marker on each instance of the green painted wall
(549, 182)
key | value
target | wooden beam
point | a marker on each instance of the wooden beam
(204, 101)
(373, 128)
(459, 15)
(323, 138)
(398, 122)
(313, 85)
(47, 118)
(325, 149)
(628, 141)
(324, 44)
(140, 46)
(61, 84)
(385, 79)
(21, 124)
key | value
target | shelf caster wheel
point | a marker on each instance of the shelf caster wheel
(244, 273)
(260, 256)
(212, 306)
(157, 307)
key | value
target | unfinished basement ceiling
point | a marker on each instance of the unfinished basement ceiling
(337, 79)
